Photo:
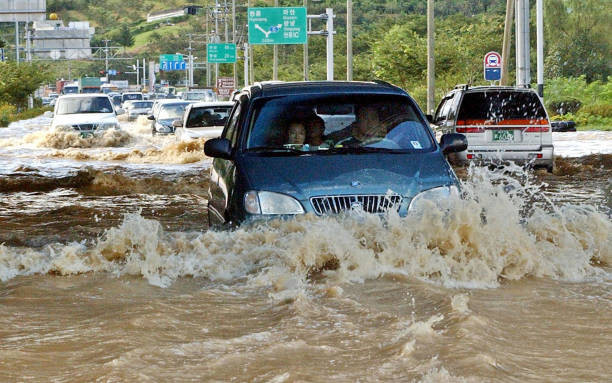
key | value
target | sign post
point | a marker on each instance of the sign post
(492, 66)
(221, 53)
(277, 25)
(225, 86)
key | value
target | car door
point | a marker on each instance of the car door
(223, 172)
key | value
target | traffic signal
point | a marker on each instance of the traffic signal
(102, 72)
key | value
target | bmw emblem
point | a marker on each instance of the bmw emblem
(355, 184)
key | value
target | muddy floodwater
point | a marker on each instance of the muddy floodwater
(109, 273)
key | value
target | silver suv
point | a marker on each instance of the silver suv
(500, 124)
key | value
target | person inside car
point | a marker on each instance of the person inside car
(365, 130)
(296, 134)
(315, 127)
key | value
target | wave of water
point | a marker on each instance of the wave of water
(502, 229)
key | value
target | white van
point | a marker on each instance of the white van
(500, 124)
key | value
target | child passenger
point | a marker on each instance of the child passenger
(296, 134)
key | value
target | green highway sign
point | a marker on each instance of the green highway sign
(221, 53)
(277, 25)
(165, 58)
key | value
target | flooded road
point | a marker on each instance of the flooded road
(108, 273)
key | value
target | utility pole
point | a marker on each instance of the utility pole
(306, 64)
(505, 80)
(275, 61)
(207, 63)
(216, 14)
(523, 65)
(349, 40)
(251, 56)
(540, 45)
(246, 64)
(234, 36)
(431, 71)
(190, 68)
(330, 43)
(106, 54)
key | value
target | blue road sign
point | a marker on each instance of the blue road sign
(168, 66)
(492, 74)
(492, 66)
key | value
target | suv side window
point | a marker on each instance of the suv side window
(230, 132)
(453, 107)
(442, 112)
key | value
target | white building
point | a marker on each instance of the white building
(51, 39)
(22, 10)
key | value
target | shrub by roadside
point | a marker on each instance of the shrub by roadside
(8, 114)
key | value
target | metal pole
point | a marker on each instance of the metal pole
(234, 36)
(519, 42)
(144, 72)
(246, 64)
(137, 72)
(207, 64)
(330, 43)
(251, 57)
(216, 13)
(507, 41)
(16, 39)
(306, 64)
(349, 40)
(106, 52)
(431, 61)
(527, 44)
(540, 45)
(275, 60)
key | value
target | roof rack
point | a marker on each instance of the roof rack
(382, 82)
(462, 86)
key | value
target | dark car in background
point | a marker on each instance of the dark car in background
(326, 148)
(165, 113)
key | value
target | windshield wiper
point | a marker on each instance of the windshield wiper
(361, 149)
(275, 149)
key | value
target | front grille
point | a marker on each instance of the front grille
(85, 127)
(369, 203)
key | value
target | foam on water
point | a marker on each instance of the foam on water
(498, 231)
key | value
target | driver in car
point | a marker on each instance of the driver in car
(367, 129)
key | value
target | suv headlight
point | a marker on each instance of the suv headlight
(109, 125)
(269, 203)
(436, 196)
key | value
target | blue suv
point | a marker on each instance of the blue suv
(326, 148)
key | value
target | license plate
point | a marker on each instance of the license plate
(503, 135)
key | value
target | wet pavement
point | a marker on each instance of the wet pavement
(108, 273)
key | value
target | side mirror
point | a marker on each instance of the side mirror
(48, 114)
(151, 118)
(218, 148)
(177, 124)
(120, 111)
(453, 142)
(429, 118)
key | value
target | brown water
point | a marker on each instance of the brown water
(108, 273)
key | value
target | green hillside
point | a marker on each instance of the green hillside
(388, 39)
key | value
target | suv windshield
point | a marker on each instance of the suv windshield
(132, 96)
(84, 105)
(338, 124)
(500, 106)
(142, 105)
(208, 116)
(171, 111)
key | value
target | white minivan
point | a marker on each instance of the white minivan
(500, 124)
(85, 113)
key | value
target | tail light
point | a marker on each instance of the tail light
(470, 130)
